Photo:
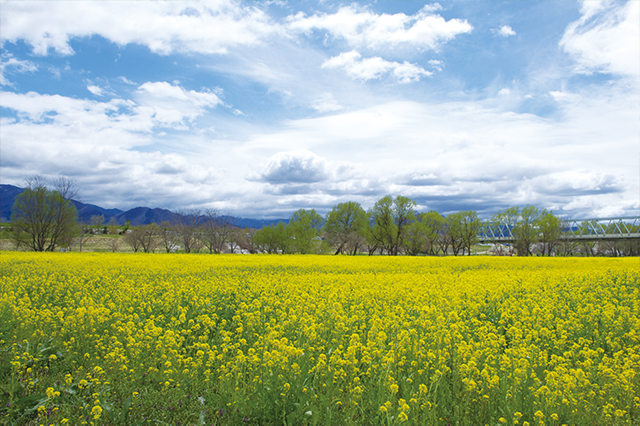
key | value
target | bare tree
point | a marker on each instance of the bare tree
(246, 241)
(167, 235)
(143, 237)
(86, 231)
(236, 240)
(131, 238)
(216, 230)
(186, 229)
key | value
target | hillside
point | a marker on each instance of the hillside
(136, 216)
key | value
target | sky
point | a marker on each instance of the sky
(261, 108)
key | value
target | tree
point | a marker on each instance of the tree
(454, 232)
(470, 227)
(415, 240)
(422, 235)
(245, 238)
(86, 231)
(143, 237)
(522, 221)
(525, 232)
(434, 227)
(186, 229)
(549, 229)
(345, 226)
(273, 239)
(390, 219)
(303, 229)
(147, 235)
(168, 236)
(42, 219)
(216, 230)
(504, 222)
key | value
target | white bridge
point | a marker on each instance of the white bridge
(607, 229)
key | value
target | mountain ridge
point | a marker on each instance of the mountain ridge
(136, 216)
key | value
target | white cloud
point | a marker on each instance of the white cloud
(96, 90)
(326, 103)
(436, 64)
(606, 38)
(504, 31)
(294, 167)
(97, 142)
(374, 68)
(362, 28)
(170, 105)
(11, 64)
(168, 27)
(461, 155)
(126, 81)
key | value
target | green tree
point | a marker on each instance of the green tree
(504, 222)
(422, 235)
(391, 218)
(455, 232)
(525, 232)
(549, 230)
(523, 224)
(304, 228)
(273, 239)
(42, 218)
(345, 226)
(470, 225)
(434, 227)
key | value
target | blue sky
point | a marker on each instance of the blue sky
(261, 108)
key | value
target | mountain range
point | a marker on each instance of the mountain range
(136, 216)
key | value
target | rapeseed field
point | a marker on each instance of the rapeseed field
(318, 340)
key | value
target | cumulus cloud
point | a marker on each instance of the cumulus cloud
(577, 183)
(295, 167)
(504, 31)
(210, 27)
(173, 106)
(374, 68)
(362, 28)
(605, 38)
(97, 143)
(471, 155)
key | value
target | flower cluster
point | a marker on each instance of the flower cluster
(312, 339)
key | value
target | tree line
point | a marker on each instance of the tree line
(45, 219)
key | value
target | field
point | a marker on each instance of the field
(198, 339)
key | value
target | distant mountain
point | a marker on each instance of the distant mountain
(136, 216)
(144, 216)
(8, 194)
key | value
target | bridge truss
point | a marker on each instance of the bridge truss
(601, 229)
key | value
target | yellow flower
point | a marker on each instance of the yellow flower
(96, 411)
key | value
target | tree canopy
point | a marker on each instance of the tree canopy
(45, 218)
